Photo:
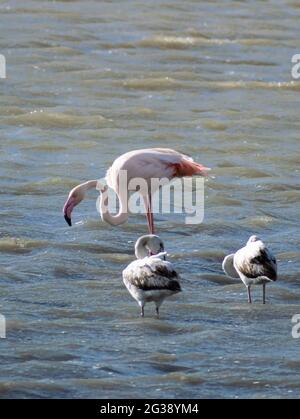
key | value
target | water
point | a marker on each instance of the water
(87, 81)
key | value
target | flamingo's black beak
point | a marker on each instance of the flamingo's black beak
(68, 220)
(161, 250)
(68, 208)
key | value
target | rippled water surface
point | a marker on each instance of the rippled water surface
(89, 80)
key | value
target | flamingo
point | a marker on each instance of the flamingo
(150, 277)
(253, 264)
(144, 164)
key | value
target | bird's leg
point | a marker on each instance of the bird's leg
(146, 202)
(149, 221)
(142, 311)
(151, 214)
(157, 311)
(249, 294)
(264, 293)
(148, 207)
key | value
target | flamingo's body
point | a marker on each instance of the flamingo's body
(150, 278)
(144, 164)
(253, 264)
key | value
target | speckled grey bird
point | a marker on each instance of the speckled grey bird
(151, 277)
(253, 264)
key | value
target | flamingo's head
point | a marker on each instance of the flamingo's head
(253, 239)
(148, 245)
(154, 245)
(75, 197)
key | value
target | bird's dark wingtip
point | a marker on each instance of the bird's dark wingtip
(68, 220)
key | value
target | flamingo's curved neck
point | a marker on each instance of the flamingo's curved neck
(111, 219)
(141, 250)
(106, 216)
(90, 184)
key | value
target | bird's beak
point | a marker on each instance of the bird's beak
(68, 220)
(161, 250)
(67, 210)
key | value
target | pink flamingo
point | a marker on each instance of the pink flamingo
(144, 164)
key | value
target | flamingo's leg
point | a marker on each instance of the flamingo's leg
(149, 215)
(264, 293)
(249, 294)
(142, 305)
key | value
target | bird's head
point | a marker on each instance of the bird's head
(75, 197)
(253, 239)
(154, 245)
(148, 245)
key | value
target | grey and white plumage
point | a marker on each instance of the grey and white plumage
(151, 277)
(254, 264)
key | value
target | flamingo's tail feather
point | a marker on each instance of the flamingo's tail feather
(189, 168)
